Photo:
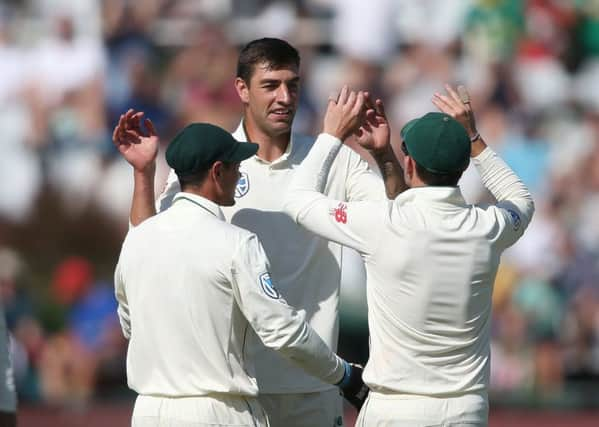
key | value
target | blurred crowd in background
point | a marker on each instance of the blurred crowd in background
(68, 69)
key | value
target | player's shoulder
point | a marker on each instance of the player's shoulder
(235, 232)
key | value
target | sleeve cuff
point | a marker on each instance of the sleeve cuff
(346, 375)
(483, 156)
(330, 139)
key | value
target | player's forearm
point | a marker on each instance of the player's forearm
(142, 205)
(302, 346)
(311, 176)
(391, 172)
(502, 182)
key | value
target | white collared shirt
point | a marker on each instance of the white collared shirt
(431, 260)
(193, 293)
(305, 267)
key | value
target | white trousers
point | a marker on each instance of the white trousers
(304, 409)
(216, 410)
(394, 410)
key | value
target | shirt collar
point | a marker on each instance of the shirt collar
(451, 195)
(201, 202)
(241, 136)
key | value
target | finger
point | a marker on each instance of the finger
(128, 115)
(119, 127)
(463, 94)
(115, 135)
(453, 94)
(343, 95)
(334, 96)
(444, 104)
(135, 121)
(368, 100)
(371, 115)
(465, 97)
(351, 100)
(360, 106)
(380, 108)
(150, 127)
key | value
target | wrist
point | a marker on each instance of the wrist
(383, 154)
(146, 171)
(346, 375)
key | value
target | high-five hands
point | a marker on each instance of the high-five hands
(137, 146)
(374, 134)
(346, 114)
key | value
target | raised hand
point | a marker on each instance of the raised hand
(137, 146)
(457, 106)
(344, 115)
(375, 134)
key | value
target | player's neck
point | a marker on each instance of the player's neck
(270, 147)
(205, 190)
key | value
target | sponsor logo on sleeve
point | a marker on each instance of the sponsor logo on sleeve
(340, 213)
(243, 185)
(268, 287)
(516, 221)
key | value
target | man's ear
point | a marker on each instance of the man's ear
(410, 166)
(216, 170)
(243, 90)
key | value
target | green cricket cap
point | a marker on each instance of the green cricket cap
(199, 145)
(438, 143)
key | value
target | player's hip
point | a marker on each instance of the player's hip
(391, 410)
(323, 408)
(200, 411)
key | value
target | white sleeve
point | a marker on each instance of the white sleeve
(278, 325)
(350, 224)
(172, 187)
(515, 206)
(362, 182)
(123, 305)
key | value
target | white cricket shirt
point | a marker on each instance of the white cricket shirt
(431, 260)
(193, 292)
(305, 267)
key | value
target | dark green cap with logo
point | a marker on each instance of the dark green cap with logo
(438, 143)
(199, 145)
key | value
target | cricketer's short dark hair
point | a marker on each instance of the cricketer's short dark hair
(437, 179)
(276, 53)
(192, 180)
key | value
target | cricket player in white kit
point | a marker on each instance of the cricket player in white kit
(431, 261)
(305, 267)
(195, 293)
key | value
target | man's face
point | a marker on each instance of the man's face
(271, 98)
(228, 182)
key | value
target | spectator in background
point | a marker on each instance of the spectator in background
(73, 357)
(20, 173)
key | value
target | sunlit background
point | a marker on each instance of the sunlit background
(69, 68)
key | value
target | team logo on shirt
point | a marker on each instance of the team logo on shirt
(243, 185)
(515, 219)
(268, 287)
(340, 213)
